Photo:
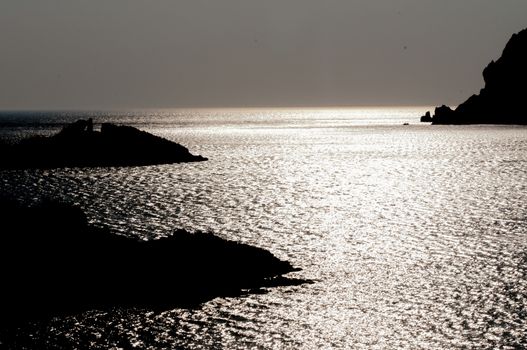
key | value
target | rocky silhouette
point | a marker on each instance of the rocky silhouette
(502, 100)
(79, 145)
(54, 262)
(426, 118)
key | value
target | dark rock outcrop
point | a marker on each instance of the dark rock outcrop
(54, 262)
(78, 145)
(426, 118)
(503, 99)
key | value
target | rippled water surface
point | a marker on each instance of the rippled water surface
(415, 235)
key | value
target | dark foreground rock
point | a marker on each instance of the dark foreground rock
(503, 99)
(54, 262)
(79, 145)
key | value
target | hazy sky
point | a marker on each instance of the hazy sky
(145, 54)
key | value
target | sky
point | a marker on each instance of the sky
(125, 54)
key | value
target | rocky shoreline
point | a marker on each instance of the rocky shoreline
(56, 263)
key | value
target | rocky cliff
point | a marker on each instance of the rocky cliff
(502, 100)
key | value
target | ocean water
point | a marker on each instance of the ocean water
(415, 235)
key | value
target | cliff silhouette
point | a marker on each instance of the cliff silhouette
(55, 263)
(502, 100)
(79, 145)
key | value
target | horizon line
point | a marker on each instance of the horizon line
(130, 109)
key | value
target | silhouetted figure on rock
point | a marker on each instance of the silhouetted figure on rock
(502, 100)
(78, 145)
(77, 128)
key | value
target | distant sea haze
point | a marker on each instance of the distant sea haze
(414, 234)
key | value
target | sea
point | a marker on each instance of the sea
(414, 235)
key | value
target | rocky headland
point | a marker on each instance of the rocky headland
(55, 263)
(502, 100)
(79, 145)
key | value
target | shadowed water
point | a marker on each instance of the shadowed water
(416, 235)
